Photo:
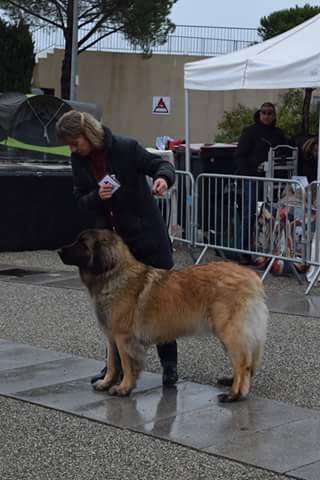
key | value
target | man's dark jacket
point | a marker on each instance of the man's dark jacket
(131, 211)
(253, 147)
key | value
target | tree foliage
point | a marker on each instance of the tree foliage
(232, 123)
(144, 23)
(289, 118)
(16, 57)
(290, 114)
(283, 20)
(279, 22)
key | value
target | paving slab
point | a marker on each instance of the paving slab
(280, 449)
(15, 355)
(303, 305)
(34, 275)
(309, 472)
(151, 405)
(78, 396)
(264, 433)
(72, 282)
(221, 424)
(39, 278)
(46, 373)
(16, 272)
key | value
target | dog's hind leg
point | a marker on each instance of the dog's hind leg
(241, 360)
(244, 340)
(113, 367)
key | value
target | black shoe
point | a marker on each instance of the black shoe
(169, 375)
(99, 376)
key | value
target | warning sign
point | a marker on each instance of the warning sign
(161, 105)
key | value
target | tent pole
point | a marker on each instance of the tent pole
(318, 169)
(187, 129)
(74, 53)
(317, 232)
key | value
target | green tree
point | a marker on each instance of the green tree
(290, 113)
(283, 20)
(232, 123)
(289, 118)
(16, 57)
(279, 22)
(144, 23)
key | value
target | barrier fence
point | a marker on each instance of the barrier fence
(178, 206)
(313, 233)
(185, 40)
(273, 221)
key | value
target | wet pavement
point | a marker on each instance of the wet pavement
(273, 435)
(264, 433)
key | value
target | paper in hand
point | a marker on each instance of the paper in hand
(112, 180)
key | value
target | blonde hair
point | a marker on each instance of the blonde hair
(308, 146)
(73, 124)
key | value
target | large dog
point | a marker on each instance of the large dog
(138, 305)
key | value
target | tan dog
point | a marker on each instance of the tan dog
(137, 306)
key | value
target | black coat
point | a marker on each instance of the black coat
(253, 147)
(131, 211)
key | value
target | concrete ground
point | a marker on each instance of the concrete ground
(38, 443)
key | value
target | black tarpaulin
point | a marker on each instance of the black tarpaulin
(34, 122)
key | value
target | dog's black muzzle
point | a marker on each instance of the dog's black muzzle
(74, 254)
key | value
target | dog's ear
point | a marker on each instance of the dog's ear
(103, 260)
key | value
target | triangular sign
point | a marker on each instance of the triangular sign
(161, 107)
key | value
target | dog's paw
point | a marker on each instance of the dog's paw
(101, 385)
(229, 397)
(119, 390)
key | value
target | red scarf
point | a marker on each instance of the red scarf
(98, 164)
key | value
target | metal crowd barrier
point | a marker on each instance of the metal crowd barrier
(274, 221)
(260, 217)
(313, 233)
(177, 208)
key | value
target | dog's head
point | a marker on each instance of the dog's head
(94, 251)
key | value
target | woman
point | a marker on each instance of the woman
(131, 210)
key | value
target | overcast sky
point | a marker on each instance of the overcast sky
(233, 13)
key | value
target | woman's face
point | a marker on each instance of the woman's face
(80, 145)
(267, 115)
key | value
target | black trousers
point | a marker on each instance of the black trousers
(168, 353)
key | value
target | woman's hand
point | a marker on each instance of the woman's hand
(160, 187)
(105, 191)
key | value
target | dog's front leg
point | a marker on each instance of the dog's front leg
(113, 367)
(129, 375)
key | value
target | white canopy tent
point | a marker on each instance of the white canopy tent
(289, 60)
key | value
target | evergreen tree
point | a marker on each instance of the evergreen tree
(143, 22)
(16, 57)
(279, 22)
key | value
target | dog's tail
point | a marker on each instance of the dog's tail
(245, 344)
